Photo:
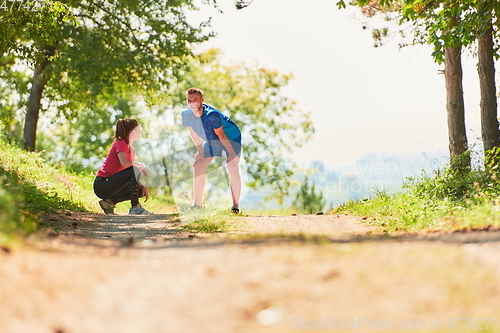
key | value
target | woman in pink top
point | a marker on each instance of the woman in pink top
(118, 179)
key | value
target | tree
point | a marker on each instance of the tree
(455, 106)
(449, 26)
(442, 29)
(271, 123)
(307, 200)
(490, 132)
(29, 36)
(95, 47)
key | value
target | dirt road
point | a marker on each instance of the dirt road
(98, 273)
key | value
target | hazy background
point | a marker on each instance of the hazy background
(379, 113)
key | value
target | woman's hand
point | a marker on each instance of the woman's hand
(145, 193)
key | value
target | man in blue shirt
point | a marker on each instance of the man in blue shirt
(220, 133)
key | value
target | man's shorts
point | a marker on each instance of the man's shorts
(215, 147)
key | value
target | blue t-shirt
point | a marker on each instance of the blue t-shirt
(209, 120)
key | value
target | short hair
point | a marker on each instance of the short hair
(194, 91)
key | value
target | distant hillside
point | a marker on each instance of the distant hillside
(341, 182)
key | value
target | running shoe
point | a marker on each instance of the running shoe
(107, 207)
(139, 210)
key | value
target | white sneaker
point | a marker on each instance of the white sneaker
(139, 210)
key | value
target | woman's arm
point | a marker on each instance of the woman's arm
(122, 156)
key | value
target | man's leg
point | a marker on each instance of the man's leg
(200, 167)
(234, 182)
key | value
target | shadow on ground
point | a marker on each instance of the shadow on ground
(125, 229)
(165, 230)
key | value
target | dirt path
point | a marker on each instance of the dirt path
(98, 273)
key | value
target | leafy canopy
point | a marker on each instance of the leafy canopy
(440, 23)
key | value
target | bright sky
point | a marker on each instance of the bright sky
(363, 99)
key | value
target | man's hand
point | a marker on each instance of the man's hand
(141, 168)
(200, 155)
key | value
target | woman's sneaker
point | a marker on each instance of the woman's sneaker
(139, 210)
(107, 207)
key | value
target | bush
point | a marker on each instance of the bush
(452, 198)
(13, 220)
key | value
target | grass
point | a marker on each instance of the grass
(209, 220)
(446, 201)
(29, 187)
(40, 187)
(206, 225)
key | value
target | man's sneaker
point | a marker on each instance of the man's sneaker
(107, 207)
(139, 210)
(235, 209)
(194, 207)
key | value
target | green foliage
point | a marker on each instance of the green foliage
(82, 145)
(307, 200)
(444, 24)
(441, 24)
(27, 27)
(95, 51)
(35, 186)
(271, 123)
(29, 187)
(459, 184)
(13, 93)
(492, 162)
(399, 212)
(13, 220)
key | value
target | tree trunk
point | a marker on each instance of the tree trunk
(490, 132)
(455, 108)
(34, 101)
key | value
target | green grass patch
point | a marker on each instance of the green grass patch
(37, 186)
(207, 225)
(445, 201)
(29, 186)
(209, 220)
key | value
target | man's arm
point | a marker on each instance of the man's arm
(225, 142)
(198, 143)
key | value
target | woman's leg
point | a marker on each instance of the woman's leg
(122, 186)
